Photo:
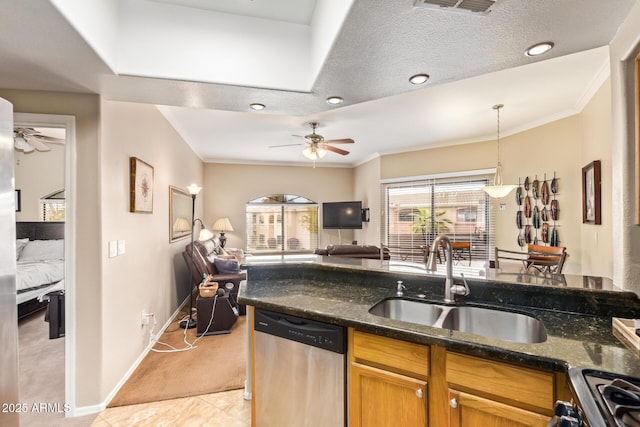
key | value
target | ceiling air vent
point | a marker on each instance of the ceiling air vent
(475, 6)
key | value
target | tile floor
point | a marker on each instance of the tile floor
(227, 409)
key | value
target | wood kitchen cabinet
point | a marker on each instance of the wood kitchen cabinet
(467, 410)
(397, 383)
(388, 381)
(494, 394)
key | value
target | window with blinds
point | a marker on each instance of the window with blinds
(281, 223)
(416, 210)
(52, 206)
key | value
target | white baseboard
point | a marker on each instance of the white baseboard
(93, 409)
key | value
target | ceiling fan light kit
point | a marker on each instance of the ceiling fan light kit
(317, 147)
(21, 144)
(314, 153)
(498, 190)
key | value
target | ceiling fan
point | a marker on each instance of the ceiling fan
(317, 146)
(29, 139)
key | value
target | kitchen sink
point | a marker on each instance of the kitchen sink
(487, 322)
(408, 311)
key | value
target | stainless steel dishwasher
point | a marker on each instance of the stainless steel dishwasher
(299, 372)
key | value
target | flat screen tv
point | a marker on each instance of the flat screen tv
(342, 215)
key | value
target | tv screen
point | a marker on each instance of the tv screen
(342, 215)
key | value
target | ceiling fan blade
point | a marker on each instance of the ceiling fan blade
(284, 145)
(26, 131)
(340, 141)
(37, 144)
(335, 150)
(50, 139)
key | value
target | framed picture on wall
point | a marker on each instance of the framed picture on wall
(141, 186)
(180, 206)
(18, 206)
(591, 205)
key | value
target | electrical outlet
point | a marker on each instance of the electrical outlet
(145, 318)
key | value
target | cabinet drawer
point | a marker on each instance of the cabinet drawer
(400, 356)
(511, 383)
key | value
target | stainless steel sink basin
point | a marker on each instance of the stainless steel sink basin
(408, 311)
(506, 325)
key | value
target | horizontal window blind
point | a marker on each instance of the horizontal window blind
(415, 212)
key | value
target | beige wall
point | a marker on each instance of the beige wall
(367, 189)
(624, 49)
(87, 266)
(37, 174)
(595, 139)
(151, 275)
(228, 187)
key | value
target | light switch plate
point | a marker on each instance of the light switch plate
(121, 247)
(113, 249)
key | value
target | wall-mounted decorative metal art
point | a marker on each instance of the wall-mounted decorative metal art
(538, 211)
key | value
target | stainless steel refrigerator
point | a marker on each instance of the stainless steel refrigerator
(9, 396)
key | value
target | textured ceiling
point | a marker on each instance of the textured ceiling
(474, 62)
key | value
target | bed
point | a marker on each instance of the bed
(40, 264)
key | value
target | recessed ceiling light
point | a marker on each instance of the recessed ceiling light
(334, 100)
(539, 49)
(257, 107)
(419, 79)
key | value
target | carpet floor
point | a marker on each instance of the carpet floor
(217, 363)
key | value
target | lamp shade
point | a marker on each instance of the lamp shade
(222, 224)
(181, 224)
(205, 235)
(194, 189)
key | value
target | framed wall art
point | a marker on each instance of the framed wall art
(180, 207)
(18, 201)
(591, 205)
(141, 186)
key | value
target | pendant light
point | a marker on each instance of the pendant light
(498, 189)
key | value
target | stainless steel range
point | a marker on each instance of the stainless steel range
(604, 399)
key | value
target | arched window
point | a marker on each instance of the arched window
(52, 206)
(291, 225)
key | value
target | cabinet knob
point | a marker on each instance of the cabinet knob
(453, 403)
(419, 393)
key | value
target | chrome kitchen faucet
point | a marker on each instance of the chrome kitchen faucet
(450, 289)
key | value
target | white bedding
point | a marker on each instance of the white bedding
(31, 274)
(40, 268)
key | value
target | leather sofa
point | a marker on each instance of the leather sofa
(205, 264)
(353, 251)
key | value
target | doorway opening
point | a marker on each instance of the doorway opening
(58, 125)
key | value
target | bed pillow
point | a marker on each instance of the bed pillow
(43, 250)
(20, 244)
(227, 266)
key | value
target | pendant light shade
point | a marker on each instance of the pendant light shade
(498, 189)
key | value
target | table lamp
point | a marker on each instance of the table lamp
(222, 225)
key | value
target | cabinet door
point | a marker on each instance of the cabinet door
(472, 411)
(380, 398)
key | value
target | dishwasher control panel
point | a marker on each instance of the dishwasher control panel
(311, 332)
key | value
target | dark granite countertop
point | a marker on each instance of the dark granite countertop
(341, 291)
